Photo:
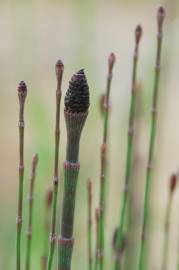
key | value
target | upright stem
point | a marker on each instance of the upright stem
(160, 19)
(89, 188)
(22, 92)
(97, 249)
(173, 182)
(76, 111)
(30, 218)
(129, 156)
(48, 204)
(59, 74)
(111, 61)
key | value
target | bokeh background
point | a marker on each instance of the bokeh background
(34, 35)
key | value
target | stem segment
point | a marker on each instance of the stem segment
(89, 189)
(59, 74)
(160, 19)
(129, 156)
(30, 219)
(173, 181)
(103, 171)
(22, 93)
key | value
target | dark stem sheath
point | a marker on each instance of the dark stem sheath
(59, 75)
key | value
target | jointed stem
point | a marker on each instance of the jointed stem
(31, 194)
(129, 156)
(89, 188)
(59, 74)
(111, 61)
(22, 92)
(160, 17)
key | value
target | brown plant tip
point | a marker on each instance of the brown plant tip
(59, 67)
(49, 197)
(160, 16)
(35, 160)
(77, 95)
(111, 62)
(22, 89)
(173, 182)
(138, 33)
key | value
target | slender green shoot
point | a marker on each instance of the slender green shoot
(48, 205)
(89, 189)
(59, 74)
(172, 186)
(111, 61)
(22, 93)
(30, 217)
(142, 250)
(129, 156)
(97, 248)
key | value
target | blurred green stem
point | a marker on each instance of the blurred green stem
(166, 233)
(129, 156)
(142, 250)
(59, 74)
(89, 189)
(30, 217)
(111, 61)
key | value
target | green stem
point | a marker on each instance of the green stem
(22, 92)
(97, 249)
(30, 218)
(103, 171)
(89, 189)
(59, 74)
(129, 156)
(142, 250)
(166, 233)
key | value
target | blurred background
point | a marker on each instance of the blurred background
(34, 35)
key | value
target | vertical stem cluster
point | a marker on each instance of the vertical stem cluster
(89, 189)
(22, 93)
(173, 182)
(129, 156)
(103, 170)
(59, 74)
(160, 19)
(30, 218)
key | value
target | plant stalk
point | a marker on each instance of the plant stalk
(89, 189)
(129, 156)
(142, 250)
(59, 74)
(103, 170)
(22, 93)
(30, 217)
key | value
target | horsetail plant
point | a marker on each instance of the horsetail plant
(76, 111)
(172, 187)
(59, 74)
(22, 93)
(48, 205)
(103, 170)
(97, 248)
(160, 20)
(30, 217)
(89, 190)
(129, 156)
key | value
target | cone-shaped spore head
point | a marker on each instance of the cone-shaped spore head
(77, 95)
